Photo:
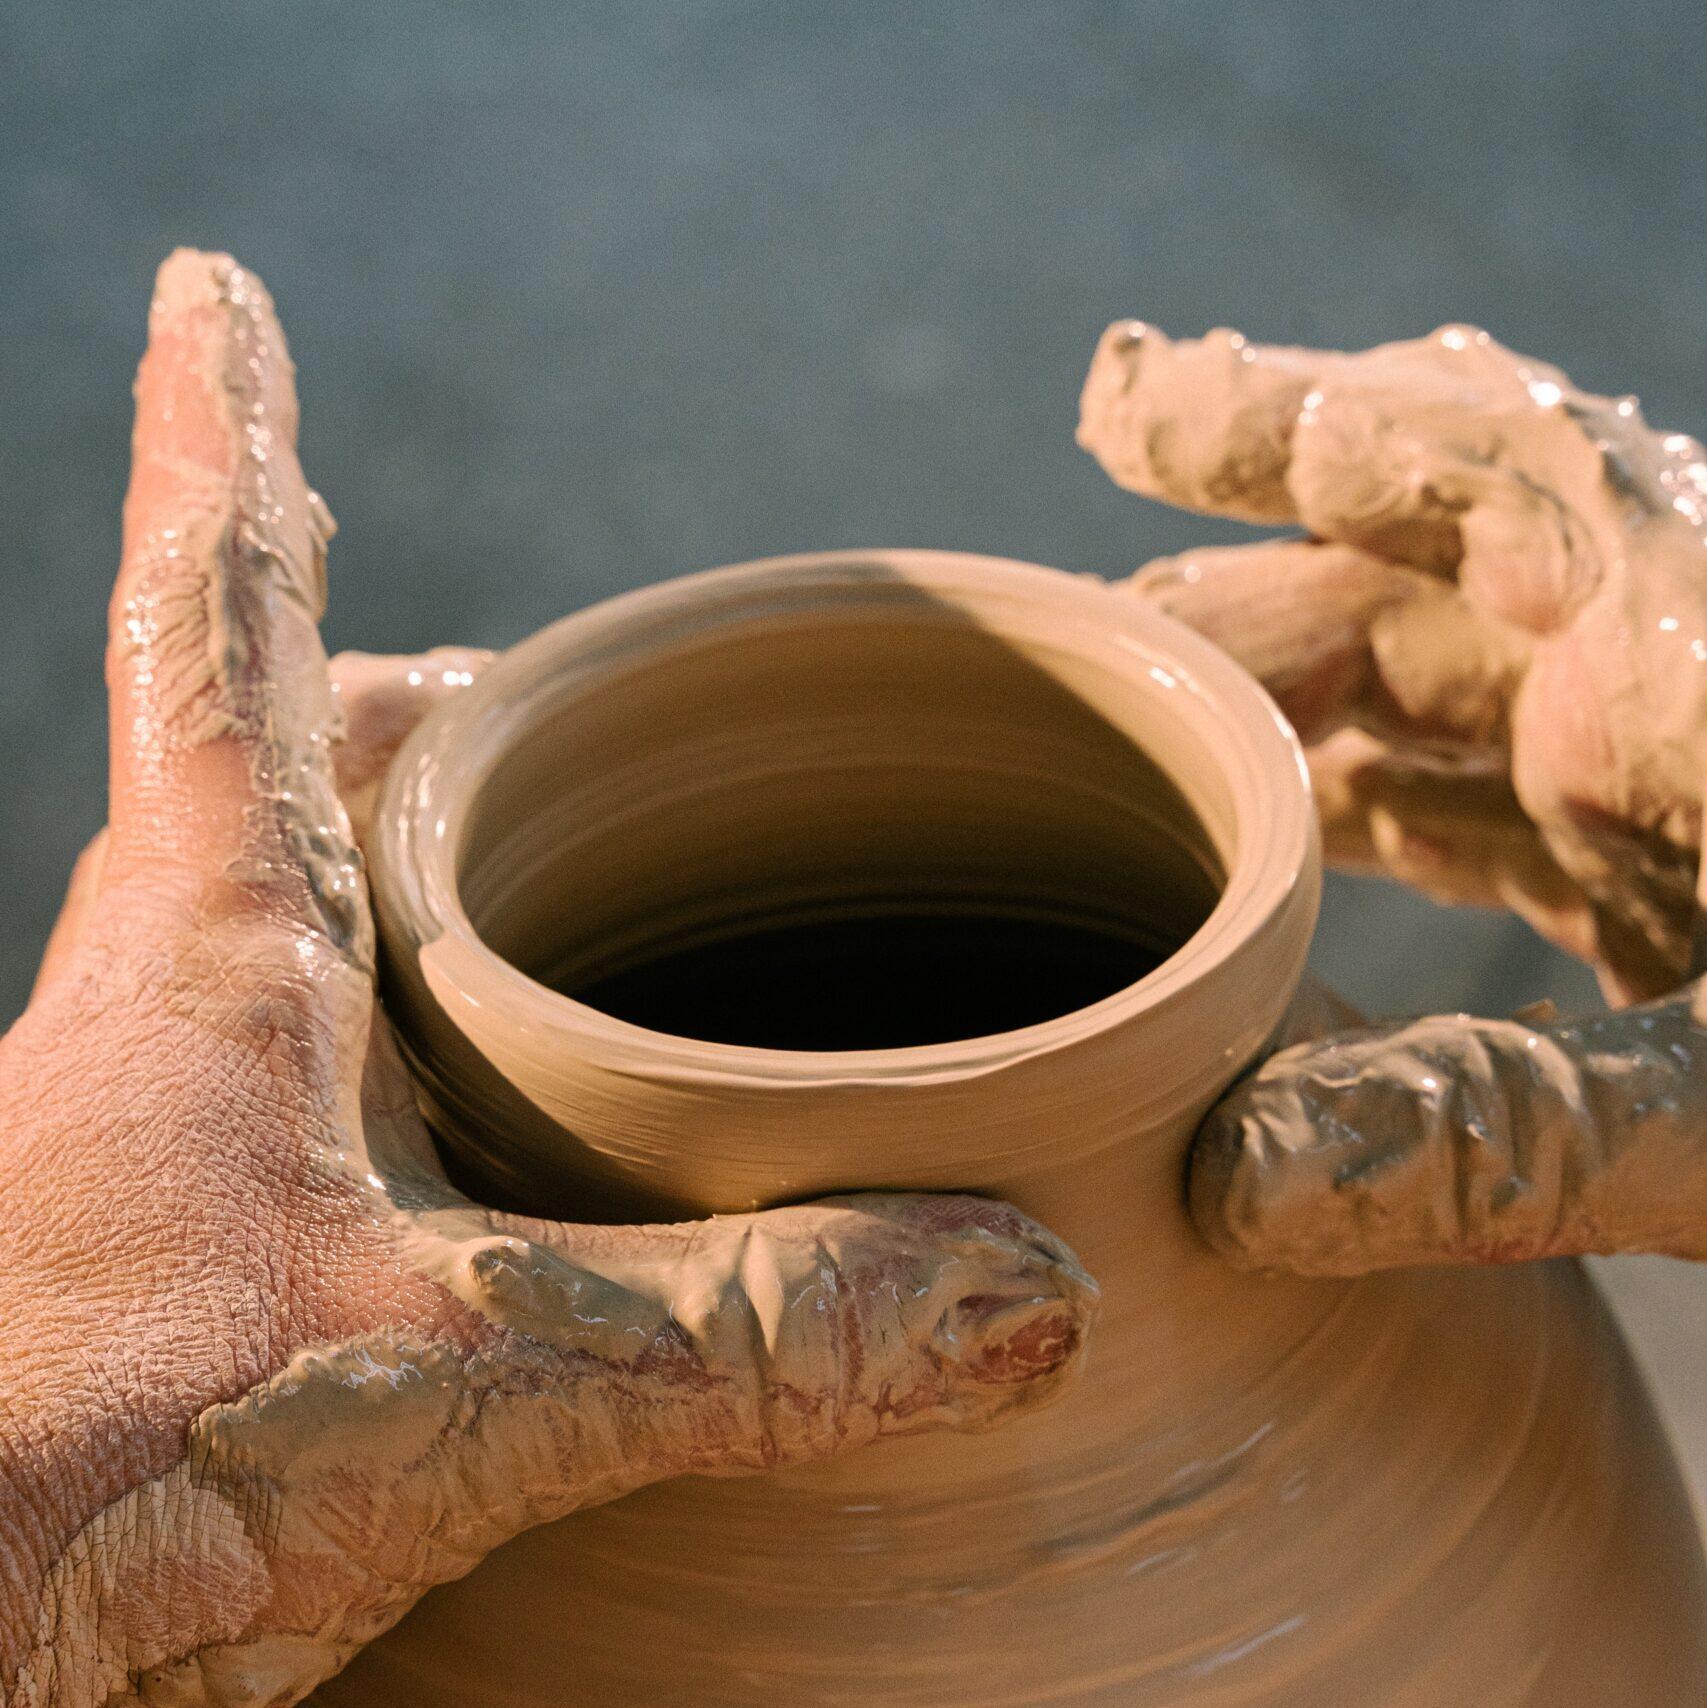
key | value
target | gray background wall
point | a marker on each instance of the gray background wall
(584, 296)
(587, 296)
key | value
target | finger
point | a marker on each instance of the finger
(1338, 768)
(1626, 831)
(1455, 1140)
(1342, 637)
(379, 698)
(749, 1341)
(1464, 840)
(1460, 837)
(1205, 423)
(1448, 453)
(220, 705)
(74, 912)
(1296, 614)
(1454, 453)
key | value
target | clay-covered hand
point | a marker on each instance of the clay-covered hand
(264, 1376)
(1494, 644)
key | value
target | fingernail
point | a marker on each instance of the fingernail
(1006, 1342)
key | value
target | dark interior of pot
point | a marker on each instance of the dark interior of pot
(867, 980)
(838, 829)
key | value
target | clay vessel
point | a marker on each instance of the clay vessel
(1418, 1490)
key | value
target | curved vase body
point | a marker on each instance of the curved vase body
(1418, 1490)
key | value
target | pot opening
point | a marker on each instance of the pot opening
(839, 827)
(871, 980)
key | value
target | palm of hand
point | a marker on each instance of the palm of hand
(172, 1168)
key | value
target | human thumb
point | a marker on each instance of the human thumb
(748, 1341)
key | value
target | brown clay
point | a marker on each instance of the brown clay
(1413, 1490)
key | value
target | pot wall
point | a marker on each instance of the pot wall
(1418, 1489)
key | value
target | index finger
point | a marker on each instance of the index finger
(1205, 423)
(1448, 453)
(221, 710)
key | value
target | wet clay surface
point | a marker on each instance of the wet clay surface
(1406, 1491)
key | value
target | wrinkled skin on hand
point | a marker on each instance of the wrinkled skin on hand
(266, 1376)
(1494, 643)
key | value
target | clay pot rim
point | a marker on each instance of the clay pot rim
(1265, 775)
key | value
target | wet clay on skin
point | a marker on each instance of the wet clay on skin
(1503, 570)
(289, 1376)
(1494, 637)
(1412, 1491)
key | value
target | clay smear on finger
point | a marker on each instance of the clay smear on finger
(1452, 1140)
(1203, 423)
(215, 637)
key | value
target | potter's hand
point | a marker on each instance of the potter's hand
(264, 1376)
(1495, 643)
